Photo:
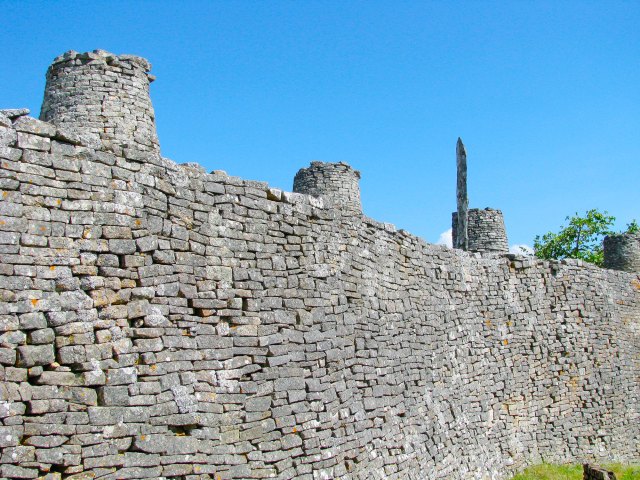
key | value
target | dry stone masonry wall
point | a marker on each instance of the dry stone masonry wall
(103, 97)
(622, 252)
(486, 230)
(160, 322)
(335, 182)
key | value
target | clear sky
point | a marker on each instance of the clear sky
(545, 95)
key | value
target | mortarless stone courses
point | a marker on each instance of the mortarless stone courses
(160, 322)
(103, 97)
(486, 230)
(335, 182)
(622, 252)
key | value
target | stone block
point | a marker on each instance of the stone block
(33, 142)
(114, 396)
(32, 125)
(32, 355)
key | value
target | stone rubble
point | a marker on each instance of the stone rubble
(596, 473)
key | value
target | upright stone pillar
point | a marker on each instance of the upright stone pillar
(462, 228)
(336, 182)
(485, 229)
(622, 252)
(102, 97)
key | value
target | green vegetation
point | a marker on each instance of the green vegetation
(581, 238)
(574, 472)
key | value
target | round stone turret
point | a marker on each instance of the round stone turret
(485, 229)
(622, 252)
(102, 97)
(336, 182)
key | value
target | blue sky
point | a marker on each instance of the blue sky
(545, 95)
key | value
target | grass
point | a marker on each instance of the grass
(574, 472)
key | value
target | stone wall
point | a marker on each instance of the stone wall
(160, 322)
(622, 252)
(103, 97)
(335, 182)
(486, 230)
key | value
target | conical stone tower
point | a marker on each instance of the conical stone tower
(102, 97)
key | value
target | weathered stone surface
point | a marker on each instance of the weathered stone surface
(462, 215)
(31, 355)
(622, 252)
(485, 230)
(160, 322)
(37, 127)
(13, 113)
(336, 182)
(114, 94)
(593, 472)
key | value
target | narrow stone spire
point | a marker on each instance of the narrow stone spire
(461, 196)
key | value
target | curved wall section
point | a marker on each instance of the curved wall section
(486, 230)
(622, 252)
(160, 322)
(102, 97)
(337, 182)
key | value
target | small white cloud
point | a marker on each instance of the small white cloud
(445, 239)
(521, 249)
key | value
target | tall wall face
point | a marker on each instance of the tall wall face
(102, 97)
(158, 322)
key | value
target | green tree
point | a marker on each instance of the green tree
(581, 238)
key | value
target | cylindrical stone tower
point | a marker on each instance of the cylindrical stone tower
(337, 182)
(622, 252)
(486, 230)
(102, 97)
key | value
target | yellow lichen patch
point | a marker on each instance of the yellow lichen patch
(505, 342)
(43, 228)
(86, 233)
(509, 323)
(34, 301)
(143, 437)
(487, 322)
(138, 222)
(573, 383)
(636, 283)
(2, 222)
(5, 194)
(59, 201)
(294, 430)
(52, 268)
(153, 367)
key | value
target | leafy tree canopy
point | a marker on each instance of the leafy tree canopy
(581, 238)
